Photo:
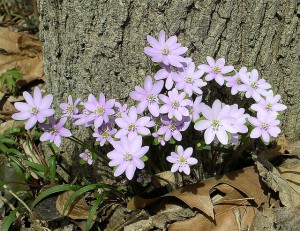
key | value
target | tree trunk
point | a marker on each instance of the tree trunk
(93, 46)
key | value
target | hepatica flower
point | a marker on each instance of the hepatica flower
(130, 124)
(168, 52)
(100, 110)
(216, 123)
(182, 160)
(235, 81)
(189, 80)
(215, 70)
(266, 125)
(167, 72)
(70, 108)
(36, 109)
(55, 130)
(175, 104)
(195, 108)
(270, 103)
(119, 108)
(104, 133)
(127, 155)
(87, 157)
(255, 87)
(148, 97)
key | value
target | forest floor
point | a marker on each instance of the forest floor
(263, 196)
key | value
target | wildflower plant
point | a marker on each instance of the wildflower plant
(168, 105)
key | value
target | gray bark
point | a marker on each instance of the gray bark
(97, 46)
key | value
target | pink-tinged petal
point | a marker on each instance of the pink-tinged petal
(202, 125)
(22, 106)
(219, 79)
(207, 112)
(162, 37)
(21, 115)
(130, 170)
(92, 99)
(65, 132)
(132, 114)
(136, 144)
(173, 60)
(210, 61)
(30, 123)
(90, 106)
(110, 103)
(256, 96)
(141, 107)
(187, 170)
(154, 109)
(192, 161)
(188, 152)
(28, 98)
(254, 121)
(121, 133)
(165, 109)
(46, 102)
(98, 122)
(121, 123)
(255, 133)
(205, 68)
(115, 154)
(101, 99)
(220, 62)
(136, 96)
(227, 69)
(265, 136)
(216, 108)
(209, 135)
(153, 42)
(121, 168)
(210, 76)
(179, 51)
(143, 121)
(61, 122)
(161, 74)
(274, 131)
(116, 162)
(157, 87)
(275, 99)
(222, 136)
(176, 135)
(254, 75)
(177, 115)
(158, 58)
(40, 117)
(47, 112)
(180, 150)
(279, 107)
(171, 41)
(140, 153)
(138, 163)
(171, 159)
(37, 96)
(57, 140)
(175, 168)
(45, 136)
(148, 83)
(143, 131)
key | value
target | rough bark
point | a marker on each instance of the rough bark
(94, 46)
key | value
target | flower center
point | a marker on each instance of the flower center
(131, 127)
(165, 51)
(151, 98)
(70, 109)
(238, 80)
(54, 130)
(34, 110)
(86, 112)
(128, 157)
(175, 104)
(265, 126)
(105, 134)
(254, 85)
(173, 69)
(216, 70)
(189, 79)
(182, 161)
(99, 111)
(172, 127)
(215, 124)
(269, 106)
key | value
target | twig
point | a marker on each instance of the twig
(9, 204)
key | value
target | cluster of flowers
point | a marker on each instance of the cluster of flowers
(163, 113)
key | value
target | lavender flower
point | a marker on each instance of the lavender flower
(70, 109)
(35, 109)
(239, 118)
(215, 70)
(148, 96)
(235, 81)
(82, 118)
(265, 124)
(119, 108)
(127, 155)
(144, 177)
(182, 160)
(195, 108)
(167, 72)
(54, 131)
(175, 105)
(269, 104)
(87, 157)
(217, 123)
(104, 133)
(189, 80)
(160, 138)
(171, 128)
(169, 52)
(255, 87)
(131, 125)
(99, 110)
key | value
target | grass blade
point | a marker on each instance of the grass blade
(52, 169)
(93, 212)
(9, 220)
(52, 190)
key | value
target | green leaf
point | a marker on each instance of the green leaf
(78, 193)
(9, 220)
(52, 168)
(18, 170)
(144, 158)
(8, 141)
(16, 152)
(201, 118)
(52, 190)
(10, 77)
(3, 148)
(93, 212)
(172, 141)
(39, 167)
